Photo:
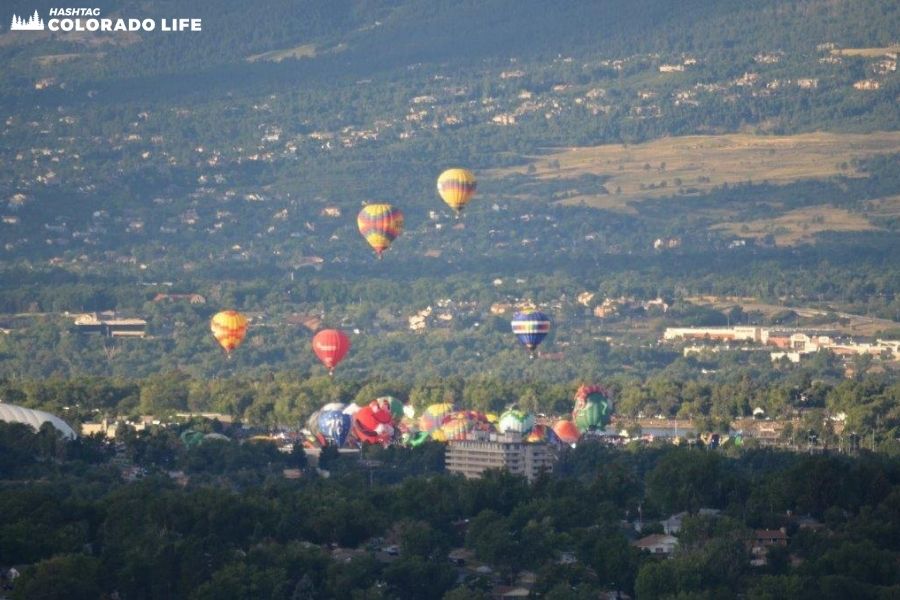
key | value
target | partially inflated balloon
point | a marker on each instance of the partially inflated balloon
(394, 405)
(434, 416)
(331, 345)
(516, 421)
(372, 425)
(566, 431)
(592, 407)
(458, 425)
(334, 426)
(531, 328)
(456, 187)
(380, 224)
(229, 328)
(417, 439)
(538, 433)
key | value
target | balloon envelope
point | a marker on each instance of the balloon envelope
(592, 408)
(531, 328)
(393, 405)
(538, 433)
(331, 346)
(229, 327)
(434, 416)
(456, 187)
(566, 431)
(417, 439)
(459, 424)
(515, 421)
(380, 224)
(334, 426)
(372, 425)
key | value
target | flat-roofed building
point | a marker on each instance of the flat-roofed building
(97, 324)
(725, 334)
(482, 451)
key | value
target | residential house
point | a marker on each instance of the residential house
(661, 544)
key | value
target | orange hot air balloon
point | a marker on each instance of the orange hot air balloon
(456, 187)
(331, 345)
(380, 224)
(566, 431)
(229, 328)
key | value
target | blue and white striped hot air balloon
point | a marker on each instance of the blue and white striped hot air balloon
(531, 328)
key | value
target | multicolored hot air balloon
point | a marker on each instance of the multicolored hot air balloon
(456, 187)
(531, 328)
(459, 424)
(380, 224)
(566, 431)
(434, 416)
(331, 345)
(592, 408)
(540, 433)
(515, 421)
(229, 328)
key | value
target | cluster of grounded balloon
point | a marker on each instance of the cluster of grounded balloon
(380, 224)
(386, 421)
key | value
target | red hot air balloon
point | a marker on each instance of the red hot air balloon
(372, 424)
(331, 345)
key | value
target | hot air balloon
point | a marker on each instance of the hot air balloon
(229, 328)
(566, 431)
(372, 424)
(459, 424)
(392, 405)
(334, 426)
(417, 439)
(456, 187)
(531, 328)
(380, 224)
(434, 416)
(592, 408)
(456, 426)
(331, 345)
(515, 421)
(312, 422)
(539, 433)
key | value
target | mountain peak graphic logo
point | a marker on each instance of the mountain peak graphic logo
(34, 23)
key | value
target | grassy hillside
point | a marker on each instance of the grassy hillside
(691, 165)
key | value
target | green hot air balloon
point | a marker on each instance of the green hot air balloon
(516, 421)
(593, 408)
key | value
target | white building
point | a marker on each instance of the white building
(657, 543)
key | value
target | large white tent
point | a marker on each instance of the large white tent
(35, 418)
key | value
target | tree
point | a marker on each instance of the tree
(67, 576)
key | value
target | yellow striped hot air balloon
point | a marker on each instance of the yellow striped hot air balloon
(229, 328)
(380, 224)
(456, 187)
